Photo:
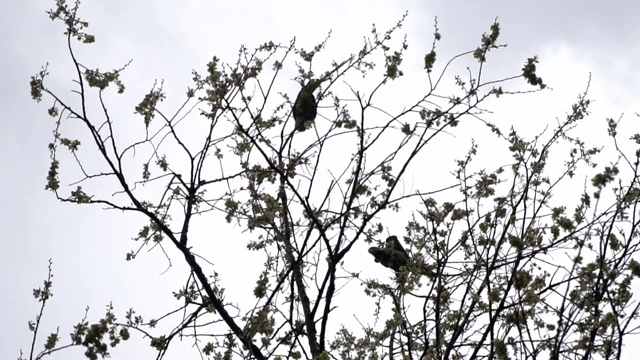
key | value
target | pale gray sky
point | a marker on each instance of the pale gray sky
(168, 40)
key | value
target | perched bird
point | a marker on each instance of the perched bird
(305, 107)
(393, 255)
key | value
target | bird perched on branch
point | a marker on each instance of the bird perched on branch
(305, 107)
(394, 256)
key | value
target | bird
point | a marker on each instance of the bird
(305, 107)
(392, 256)
(393, 242)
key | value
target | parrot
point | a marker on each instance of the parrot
(305, 107)
(393, 255)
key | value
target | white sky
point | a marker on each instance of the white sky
(87, 244)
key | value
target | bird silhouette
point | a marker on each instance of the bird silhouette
(305, 107)
(394, 256)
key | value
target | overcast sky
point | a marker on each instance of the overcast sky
(166, 41)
